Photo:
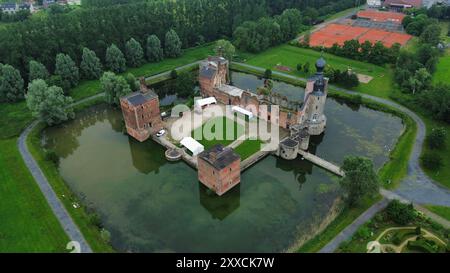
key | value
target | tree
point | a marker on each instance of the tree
(299, 67)
(360, 179)
(172, 44)
(37, 71)
(154, 50)
(306, 67)
(115, 61)
(91, 67)
(48, 103)
(132, 82)
(68, 71)
(225, 48)
(437, 101)
(11, 84)
(436, 139)
(400, 213)
(134, 53)
(184, 84)
(114, 87)
(173, 74)
(268, 73)
(431, 34)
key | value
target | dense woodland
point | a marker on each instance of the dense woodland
(41, 38)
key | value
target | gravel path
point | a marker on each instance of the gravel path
(56, 205)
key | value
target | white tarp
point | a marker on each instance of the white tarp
(242, 111)
(203, 102)
(192, 145)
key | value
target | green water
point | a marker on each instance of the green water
(149, 204)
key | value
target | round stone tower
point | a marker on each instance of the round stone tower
(316, 119)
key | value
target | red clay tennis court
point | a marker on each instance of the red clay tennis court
(381, 16)
(335, 33)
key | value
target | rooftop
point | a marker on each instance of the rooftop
(139, 98)
(231, 90)
(219, 156)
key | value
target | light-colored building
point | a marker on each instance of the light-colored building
(374, 3)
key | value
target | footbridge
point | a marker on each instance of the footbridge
(322, 163)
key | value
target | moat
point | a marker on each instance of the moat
(149, 204)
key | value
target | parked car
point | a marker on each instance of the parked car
(161, 133)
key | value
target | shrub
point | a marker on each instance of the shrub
(431, 161)
(268, 73)
(401, 213)
(173, 74)
(50, 155)
(364, 233)
(436, 139)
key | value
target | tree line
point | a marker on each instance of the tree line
(67, 73)
(195, 21)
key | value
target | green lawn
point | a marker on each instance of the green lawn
(14, 117)
(248, 148)
(443, 69)
(92, 87)
(27, 223)
(219, 130)
(290, 56)
(442, 211)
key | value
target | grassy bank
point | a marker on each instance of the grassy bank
(14, 118)
(28, 223)
(88, 223)
(345, 218)
(442, 211)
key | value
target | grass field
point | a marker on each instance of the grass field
(89, 88)
(443, 67)
(444, 212)
(219, 130)
(27, 222)
(248, 147)
(14, 117)
(290, 56)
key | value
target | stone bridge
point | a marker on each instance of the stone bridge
(322, 163)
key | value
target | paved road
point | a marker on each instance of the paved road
(56, 205)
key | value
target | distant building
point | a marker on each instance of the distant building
(374, 3)
(219, 169)
(141, 113)
(11, 8)
(399, 5)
